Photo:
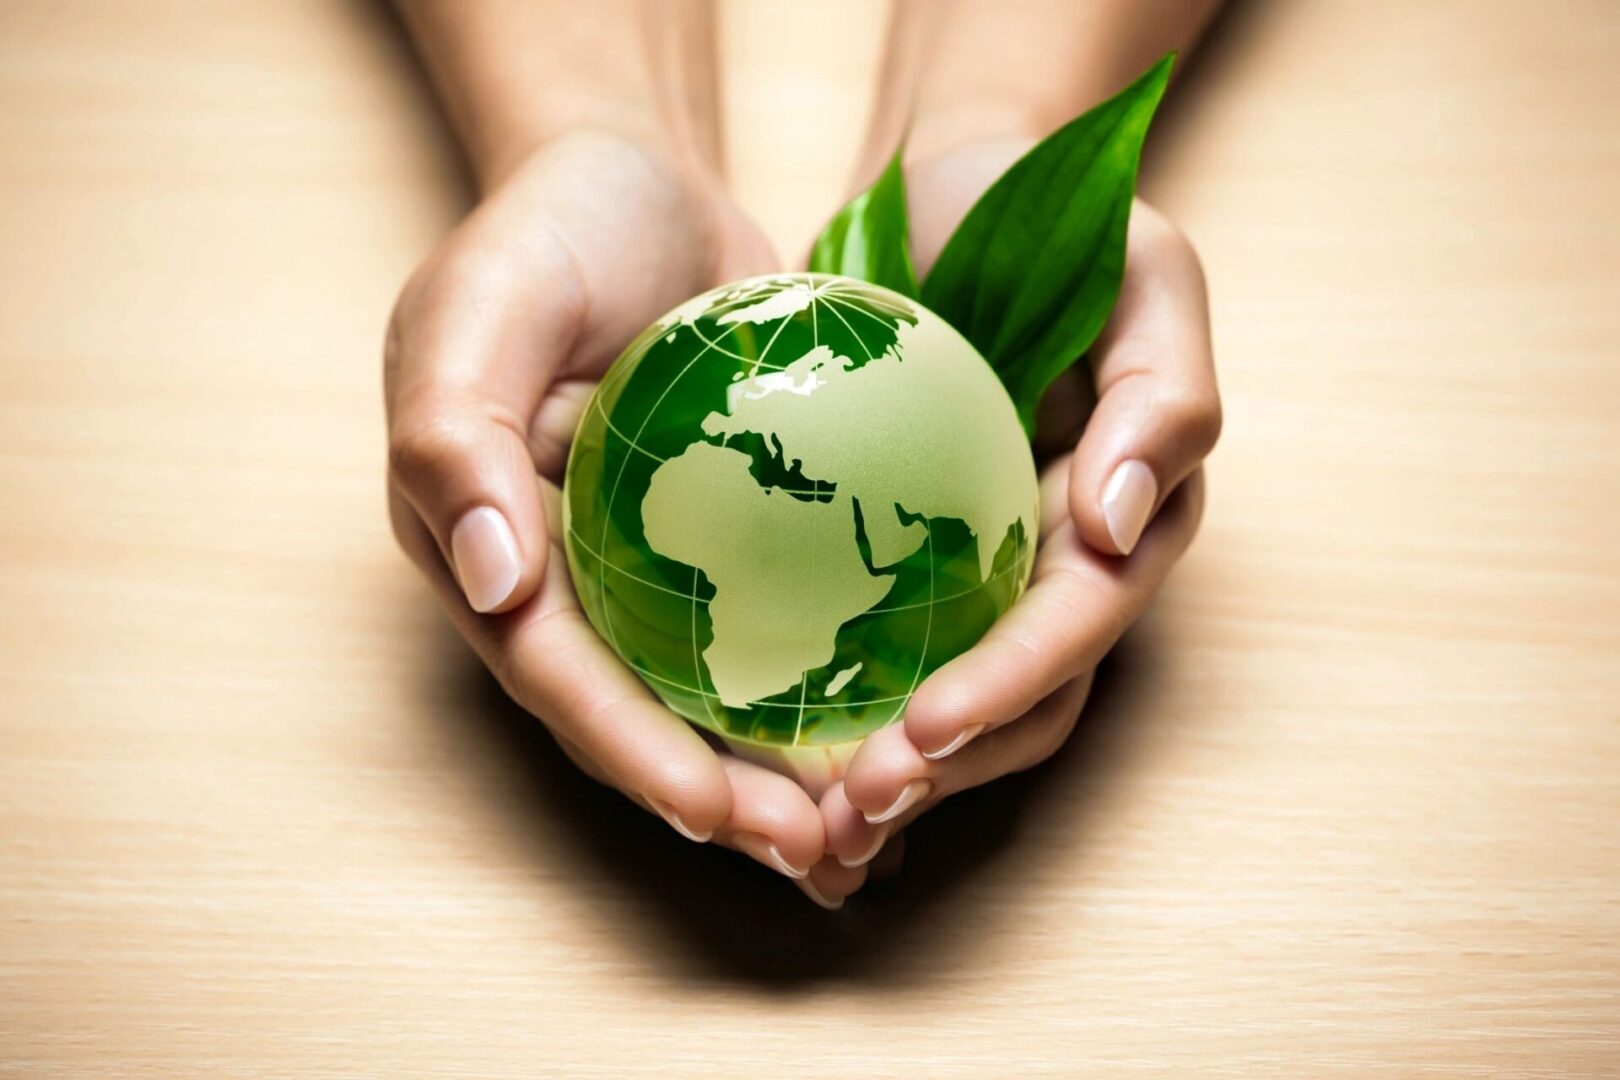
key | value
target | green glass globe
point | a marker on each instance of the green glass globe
(793, 498)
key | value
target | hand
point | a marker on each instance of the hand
(493, 350)
(1121, 497)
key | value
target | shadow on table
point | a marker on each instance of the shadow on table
(711, 913)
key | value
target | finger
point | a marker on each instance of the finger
(1054, 497)
(589, 766)
(550, 660)
(472, 347)
(887, 777)
(1060, 419)
(772, 820)
(890, 781)
(1158, 411)
(551, 433)
(851, 840)
(829, 883)
(560, 668)
(1078, 604)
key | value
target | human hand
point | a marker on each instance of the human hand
(1121, 494)
(493, 350)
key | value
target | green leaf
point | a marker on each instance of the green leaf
(867, 238)
(1030, 275)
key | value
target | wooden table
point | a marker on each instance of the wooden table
(1348, 799)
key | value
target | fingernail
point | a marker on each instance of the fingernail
(1127, 501)
(668, 813)
(486, 557)
(878, 837)
(910, 794)
(766, 852)
(961, 740)
(813, 893)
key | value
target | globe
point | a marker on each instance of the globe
(790, 500)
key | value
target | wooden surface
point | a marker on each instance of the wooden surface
(1349, 797)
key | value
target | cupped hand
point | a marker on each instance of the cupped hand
(1121, 497)
(494, 348)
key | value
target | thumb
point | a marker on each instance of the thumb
(1158, 411)
(471, 482)
(471, 353)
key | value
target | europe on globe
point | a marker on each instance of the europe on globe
(790, 500)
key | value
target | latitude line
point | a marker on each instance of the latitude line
(736, 299)
(631, 442)
(934, 601)
(716, 346)
(617, 569)
(624, 376)
(678, 685)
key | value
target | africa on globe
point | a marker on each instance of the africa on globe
(790, 500)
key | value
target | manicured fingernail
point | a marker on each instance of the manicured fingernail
(1127, 501)
(908, 795)
(963, 737)
(668, 813)
(878, 837)
(486, 556)
(768, 853)
(813, 893)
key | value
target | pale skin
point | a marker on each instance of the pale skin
(596, 146)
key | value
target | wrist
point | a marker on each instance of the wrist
(937, 132)
(501, 145)
(942, 129)
(515, 75)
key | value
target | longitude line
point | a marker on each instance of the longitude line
(858, 339)
(607, 516)
(868, 298)
(614, 428)
(859, 310)
(928, 632)
(697, 669)
(715, 345)
(617, 569)
(798, 728)
(618, 480)
(815, 333)
(766, 351)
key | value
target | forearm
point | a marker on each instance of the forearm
(961, 70)
(516, 73)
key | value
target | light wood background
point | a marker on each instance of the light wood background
(1347, 802)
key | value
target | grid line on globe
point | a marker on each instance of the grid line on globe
(762, 555)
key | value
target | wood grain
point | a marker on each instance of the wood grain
(1347, 802)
